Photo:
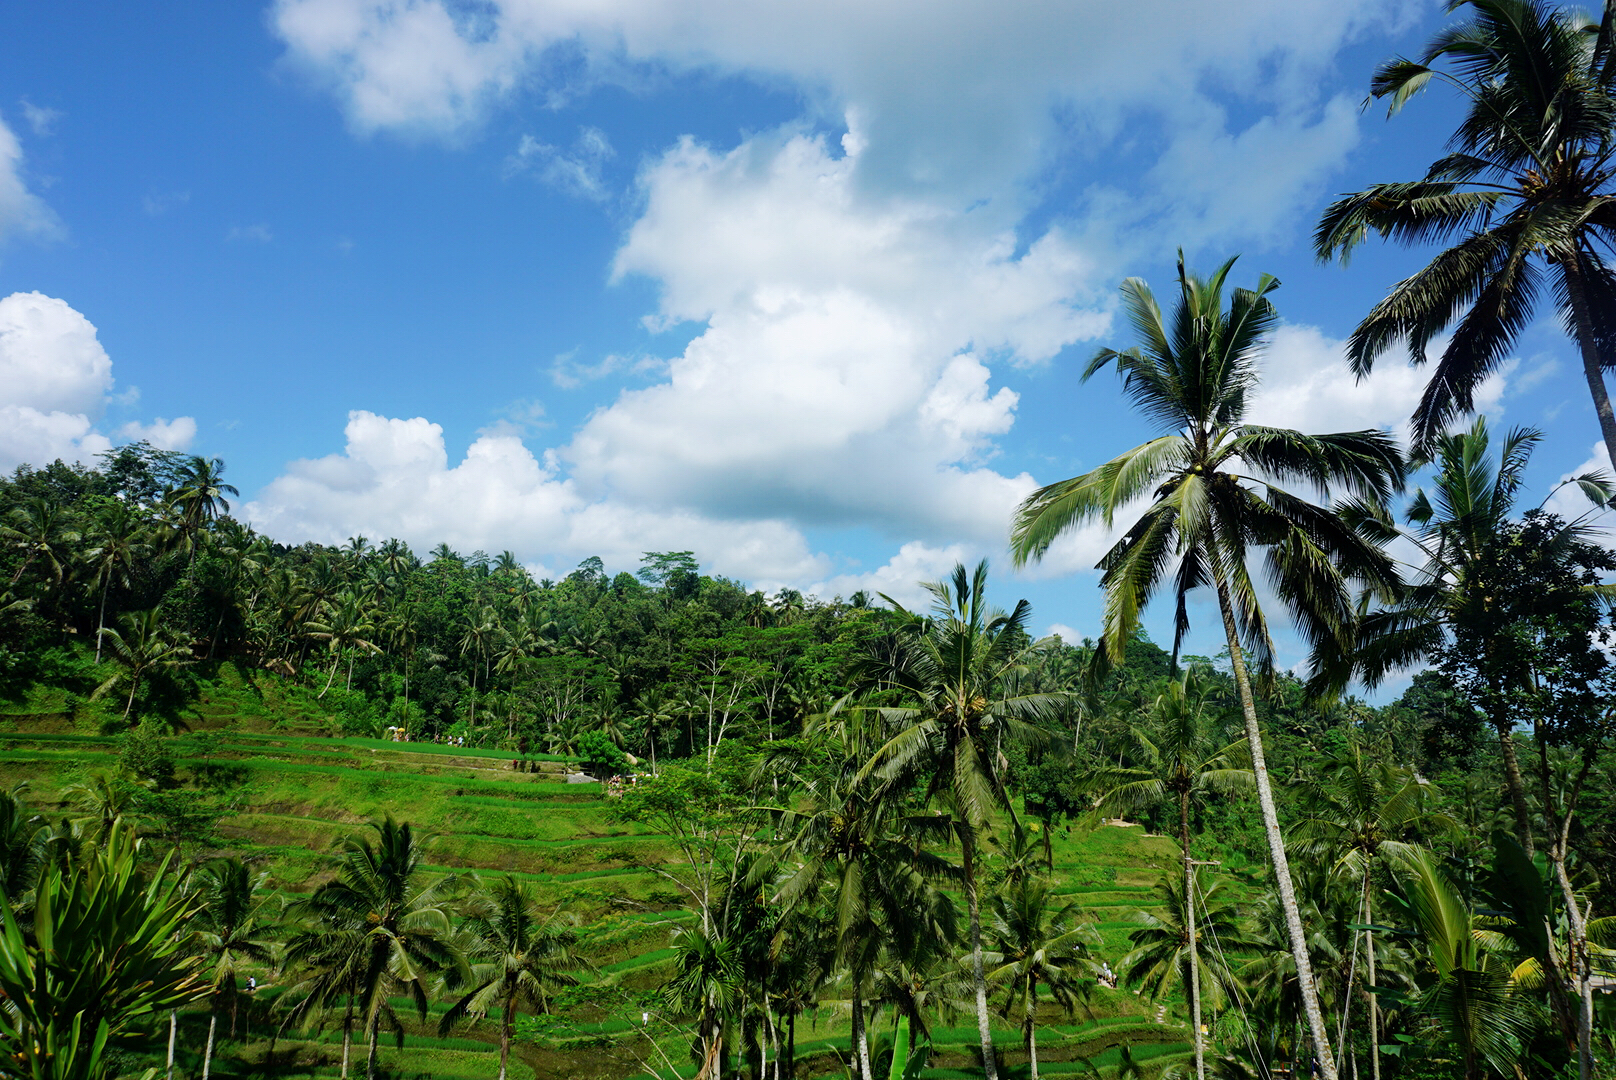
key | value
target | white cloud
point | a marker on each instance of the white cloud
(569, 373)
(55, 382)
(1065, 633)
(41, 119)
(1570, 503)
(575, 172)
(156, 204)
(394, 478)
(1307, 385)
(901, 576)
(22, 213)
(958, 95)
(258, 234)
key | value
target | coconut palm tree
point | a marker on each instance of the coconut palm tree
(1527, 193)
(1181, 762)
(24, 850)
(40, 529)
(1362, 811)
(235, 929)
(707, 983)
(857, 850)
(1161, 959)
(1033, 942)
(120, 539)
(346, 624)
(379, 927)
(518, 956)
(950, 670)
(198, 500)
(1212, 495)
(142, 646)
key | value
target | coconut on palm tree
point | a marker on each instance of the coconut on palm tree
(950, 671)
(1211, 494)
(1526, 202)
(518, 956)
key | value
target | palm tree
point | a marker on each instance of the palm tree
(347, 624)
(119, 536)
(517, 955)
(24, 850)
(858, 849)
(1181, 762)
(1526, 190)
(707, 983)
(198, 499)
(378, 927)
(1209, 515)
(1161, 957)
(234, 930)
(1035, 943)
(951, 670)
(1363, 811)
(40, 529)
(143, 645)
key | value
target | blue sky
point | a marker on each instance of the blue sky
(803, 287)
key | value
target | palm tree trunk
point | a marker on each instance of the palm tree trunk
(979, 982)
(1575, 915)
(1516, 784)
(347, 1038)
(1189, 925)
(1276, 843)
(505, 1034)
(789, 1065)
(134, 684)
(1032, 1032)
(101, 622)
(371, 1033)
(331, 678)
(1374, 1004)
(173, 1030)
(1593, 369)
(861, 1041)
(207, 1054)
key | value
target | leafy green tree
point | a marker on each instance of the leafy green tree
(24, 849)
(42, 530)
(379, 927)
(517, 955)
(1213, 484)
(950, 671)
(235, 929)
(708, 984)
(1033, 942)
(1526, 191)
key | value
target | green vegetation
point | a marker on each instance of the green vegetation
(311, 811)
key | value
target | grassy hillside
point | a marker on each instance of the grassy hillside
(263, 753)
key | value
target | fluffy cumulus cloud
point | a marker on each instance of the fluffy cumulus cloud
(1308, 386)
(958, 94)
(55, 383)
(394, 478)
(854, 297)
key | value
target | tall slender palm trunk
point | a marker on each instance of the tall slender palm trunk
(505, 1033)
(1189, 925)
(347, 1039)
(1032, 1032)
(979, 982)
(1373, 1002)
(861, 1039)
(1276, 843)
(173, 1031)
(207, 1054)
(1593, 368)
